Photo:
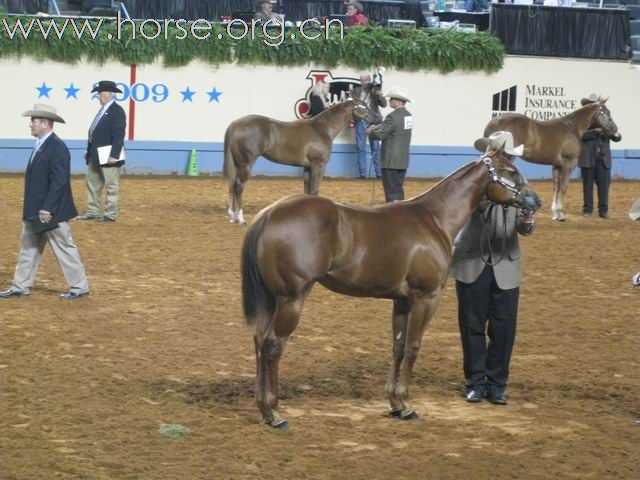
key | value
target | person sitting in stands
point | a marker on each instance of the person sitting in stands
(265, 11)
(355, 15)
(476, 5)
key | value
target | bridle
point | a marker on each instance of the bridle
(507, 183)
(359, 106)
(609, 121)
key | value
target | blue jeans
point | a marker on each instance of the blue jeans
(361, 147)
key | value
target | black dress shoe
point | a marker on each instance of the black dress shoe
(12, 292)
(475, 394)
(88, 216)
(72, 295)
(106, 219)
(496, 396)
(604, 215)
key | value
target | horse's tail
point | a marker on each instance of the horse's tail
(229, 165)
(256, 298)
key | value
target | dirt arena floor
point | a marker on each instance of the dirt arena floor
(86, 385)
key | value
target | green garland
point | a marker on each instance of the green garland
(402, 48)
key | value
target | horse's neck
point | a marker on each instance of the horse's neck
(581, 119)
(335, 119)
(454, 199)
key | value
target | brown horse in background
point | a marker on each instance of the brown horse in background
(400, 251)
(555, 142)
(305, 143)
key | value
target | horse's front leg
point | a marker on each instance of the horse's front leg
(423, 306)
(307, 179)
(399, 318)
(317, 172)
(556, 190)
(563, 184)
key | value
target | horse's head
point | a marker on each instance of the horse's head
(507, 186)
(360, 110)
(602, 119)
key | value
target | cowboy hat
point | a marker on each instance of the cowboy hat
(594, 97)
(356, 4)
(106, 86)
(499, 140)
(41, 110)
(260, 2)
(400, 93)
(634, 211)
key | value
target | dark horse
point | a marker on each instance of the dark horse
(400, 251)
(555, 142)
(305, 143)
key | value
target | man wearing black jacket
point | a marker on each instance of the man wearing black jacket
(595, 164)
(48, 206)
(103, 167)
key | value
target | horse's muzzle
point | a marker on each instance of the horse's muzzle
(532, 202)
(616, 137)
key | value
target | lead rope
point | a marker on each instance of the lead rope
(486, 231)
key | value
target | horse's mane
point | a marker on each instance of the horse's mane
(332, 108)
(438, 185)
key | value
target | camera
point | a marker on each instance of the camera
(377, 78)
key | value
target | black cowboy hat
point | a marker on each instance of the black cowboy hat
(106, 86)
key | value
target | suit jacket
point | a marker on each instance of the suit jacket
(467, 261)
(395, 134)
(316, 106)
(109, 131)
(47, 183)
(595, 144)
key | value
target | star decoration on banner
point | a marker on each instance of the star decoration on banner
(43, 90)
(72, 91)
(187, 95)
(214, 95)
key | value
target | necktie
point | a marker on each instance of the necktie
(35, 150)
(95, 122)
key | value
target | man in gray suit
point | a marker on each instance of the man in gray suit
(395, 133)
(486, 264)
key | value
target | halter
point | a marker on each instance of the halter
(600, 112)
(507, 183)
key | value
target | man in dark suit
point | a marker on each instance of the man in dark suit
(48, 206)
(486, 264)
(595, 165)
(395, 133)
(103, 167)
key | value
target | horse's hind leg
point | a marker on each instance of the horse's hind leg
(270, 345)
(399, 319)
(422, 310)
(243, 173)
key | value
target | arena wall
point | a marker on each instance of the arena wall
(172, 111)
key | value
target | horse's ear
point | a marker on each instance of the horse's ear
(604, 100)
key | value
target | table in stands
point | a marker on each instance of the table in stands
(480, 19)
(562, 31)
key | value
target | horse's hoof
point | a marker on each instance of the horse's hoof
(412, 415)
(281, 424)
(395, 414)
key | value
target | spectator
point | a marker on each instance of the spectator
(355, 14)
(265, 11)
(595, 164)
(395, 134)
(476, 5)
(319, 99)
(48, 206)
(373, 97)
(486, 264)
(106, 130)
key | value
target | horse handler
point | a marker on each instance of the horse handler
(486, 263)
(48, 206)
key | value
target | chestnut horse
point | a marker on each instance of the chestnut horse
(305, 143)
(400, 251)
(555, 142)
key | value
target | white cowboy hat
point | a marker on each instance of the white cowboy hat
(41, 110)
(400, 93)
(634, 211)
(498, 140)
(594, 97)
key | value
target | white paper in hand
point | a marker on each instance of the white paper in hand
(104, 152)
